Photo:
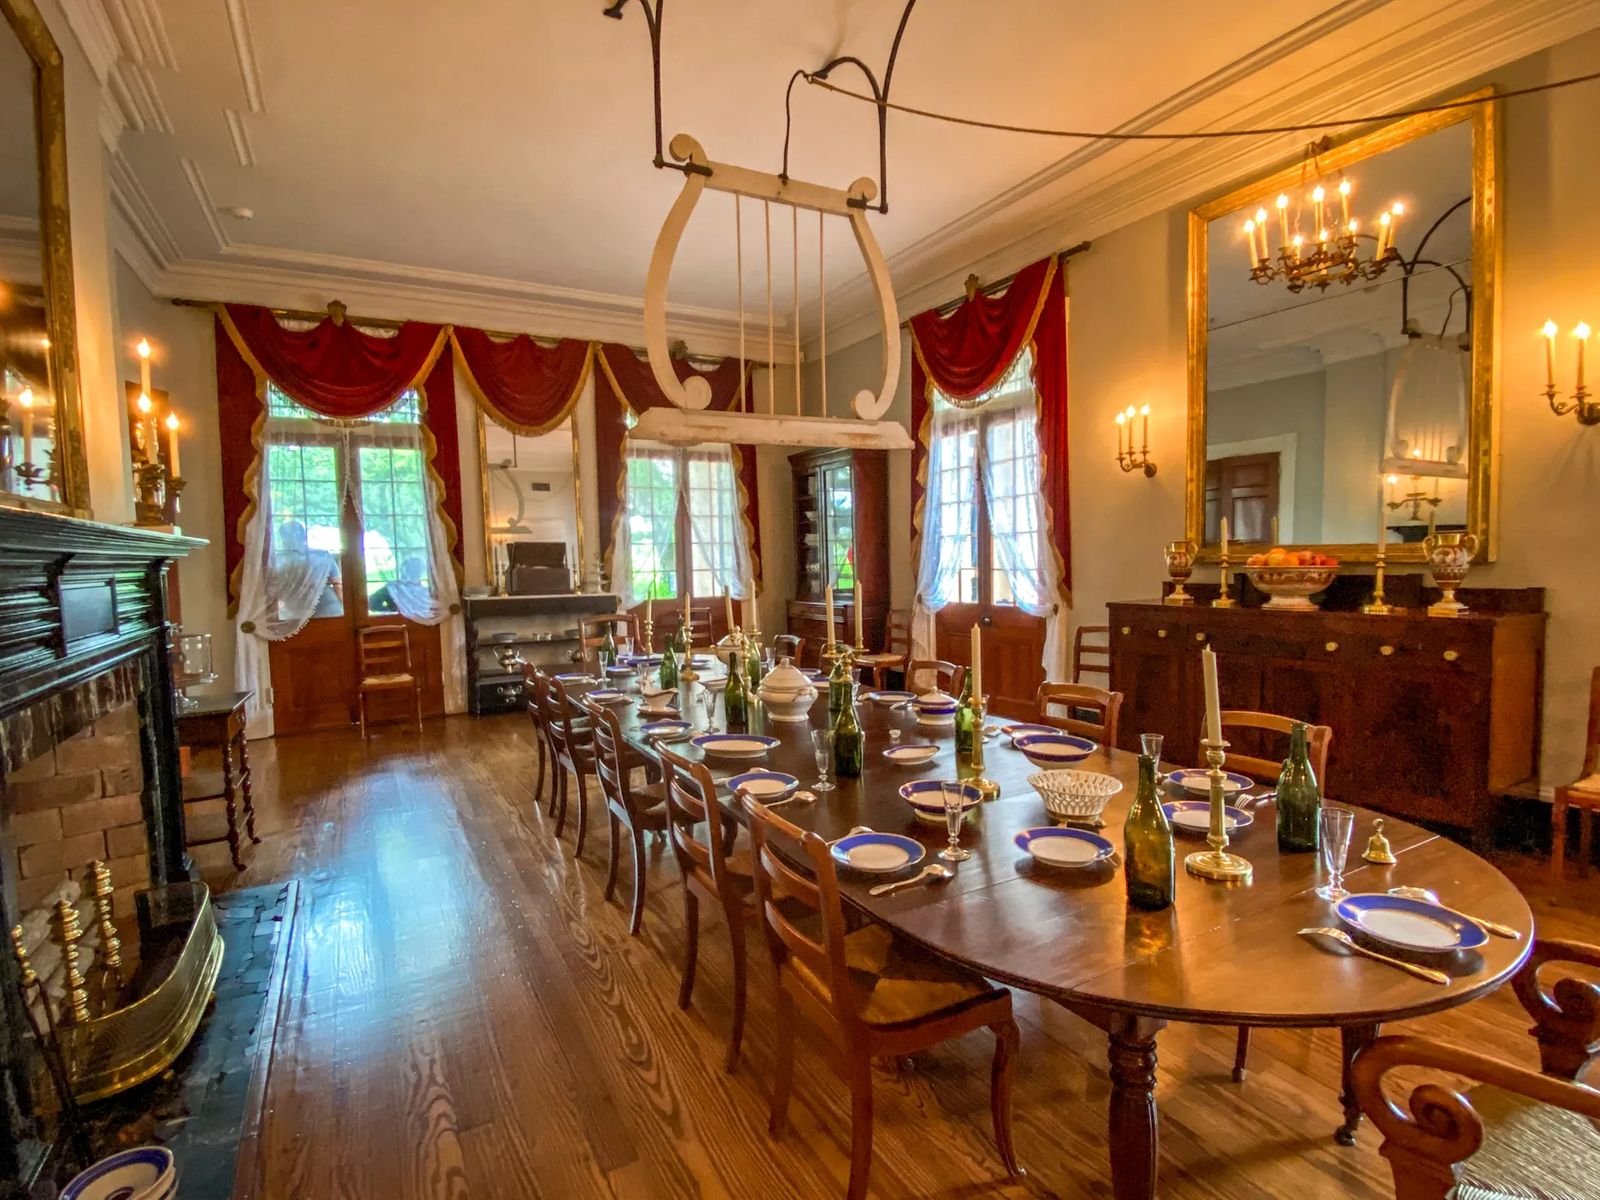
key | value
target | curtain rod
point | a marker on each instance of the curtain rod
(306, 314)
(1000, 285)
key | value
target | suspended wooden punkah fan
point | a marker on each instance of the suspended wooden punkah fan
(689, 420)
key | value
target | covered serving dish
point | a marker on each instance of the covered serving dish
(786, 693)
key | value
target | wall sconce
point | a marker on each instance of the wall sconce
(1579, 404)
(1129, 458)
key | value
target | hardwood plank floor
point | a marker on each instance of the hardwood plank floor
(466, 1017)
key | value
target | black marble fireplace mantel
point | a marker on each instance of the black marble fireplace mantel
(83, 627)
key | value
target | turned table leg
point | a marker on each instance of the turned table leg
(228, 800)
(244, 789)
(1353, 1039)
(1134, 1124)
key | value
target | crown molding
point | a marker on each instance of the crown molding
(244, 50)
(239, 134)
(144, 232)
(208, 207)
(1433, 56)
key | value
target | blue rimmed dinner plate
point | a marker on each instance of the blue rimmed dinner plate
(642, 660)
(1194, 816)
(926, 797)
(735, 745)
(1053, 749)
(765, 786)
(877, 853)
(1409, 924)
(1064, 846)
(667, 731)
(577, 677)
(891, 697)
(1197, 779)
(610, 696)
(143, 1171)
(658, 710)
(913, 755)
(1015, 731)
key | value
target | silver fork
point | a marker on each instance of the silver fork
(1344, 939)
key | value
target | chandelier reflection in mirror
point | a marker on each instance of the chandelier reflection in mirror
(1319, 242)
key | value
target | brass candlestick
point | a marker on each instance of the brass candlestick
(649, 636)
(987, 788)
(687, 673)
(1378, 607)
(1217, 863)
(1224, 600)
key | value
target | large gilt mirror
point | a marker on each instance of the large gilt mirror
(530, 501)
(1341, 341)
(42, 460)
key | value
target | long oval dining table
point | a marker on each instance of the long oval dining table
(1222, 954)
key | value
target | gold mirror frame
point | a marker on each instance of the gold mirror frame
(50, 139)
(1482, 473)
(483, 477)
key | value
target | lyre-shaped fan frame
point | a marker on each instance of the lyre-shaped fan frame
(695, 393)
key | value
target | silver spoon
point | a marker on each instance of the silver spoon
(929, 873)
(1432, 897)
(1344, 939)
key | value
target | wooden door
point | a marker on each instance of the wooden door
(1244, 489)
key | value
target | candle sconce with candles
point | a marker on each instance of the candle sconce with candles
(153, 428)
(1579, 404)
(1129, 457)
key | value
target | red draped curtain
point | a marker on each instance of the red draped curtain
(968, 351)
(624, 383)
(525, 386)
(336, 371)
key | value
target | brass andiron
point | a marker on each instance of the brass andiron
(110, 944)
(29, 988)
(64, 925)
(1216, 862)
(1179, 556)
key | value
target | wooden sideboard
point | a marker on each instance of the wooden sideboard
(1433, 718)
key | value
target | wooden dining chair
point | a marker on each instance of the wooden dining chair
(1582, 794)
(871, 994)
(896, 649)
(385, 660)
(947, 675)
(1265, 770)
(789, 644)
(1082, 709)
(1519, 1132)
(638, 808)
(700, 624)
(572, 745)
(702, 842)
(1091, 652)
(592, 630)
(535, 687)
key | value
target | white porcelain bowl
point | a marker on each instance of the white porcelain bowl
(1081, 795)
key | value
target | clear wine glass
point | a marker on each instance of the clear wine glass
(894, 735)
(822, 749)
(1150, 743)
(954, 796)
(1335, 824)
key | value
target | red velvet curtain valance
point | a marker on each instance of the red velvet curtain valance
(336, 371)
(526, 387)
(623, 382)
(967, 352)
(333, 368)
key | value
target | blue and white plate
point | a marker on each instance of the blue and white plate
(658, 710)
(610, 696)
(667, 731)
(735, 745)
(927, 798)
(145, 1171)
(1198, 779)
(1409, 924)
(1064, 846)
(877, 853)
(1194, 816)
(654, 691)
(913, 755)
(703, 660)
(810, 672)
(621, 671)
(1015, 731)
(641, 660)
(891, 697)
(577, 677)
(765, 786)
(1053, 749)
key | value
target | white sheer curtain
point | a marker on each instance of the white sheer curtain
(291, 570)
(718, 543)
(949, 520)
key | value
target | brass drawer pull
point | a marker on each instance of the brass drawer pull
(1451, 655)
(1199, 637)
(1331, 647)
(1161, 633)
(1386, 650)
(1126, 630)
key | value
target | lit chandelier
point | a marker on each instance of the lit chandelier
(1325, 254)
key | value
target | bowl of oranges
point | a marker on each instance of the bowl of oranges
(1291, 577)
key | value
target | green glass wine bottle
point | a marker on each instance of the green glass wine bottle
(966, 721)
(608, 649)
(849, 741)
(1299, 797)
(1151, 859)
(839, 686)
(735, 700)
(752, 662)
(669, 665)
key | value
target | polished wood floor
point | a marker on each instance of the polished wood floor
(465, 1017)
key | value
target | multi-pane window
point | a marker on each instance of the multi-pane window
(406, 410)
(307, 504)
(839, 526)
(684, 522)
(997, 436)
(393, 498)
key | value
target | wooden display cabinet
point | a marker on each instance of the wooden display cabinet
(841, 507)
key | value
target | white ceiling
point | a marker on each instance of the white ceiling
(492, 159)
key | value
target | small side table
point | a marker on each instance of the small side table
(219, 724)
